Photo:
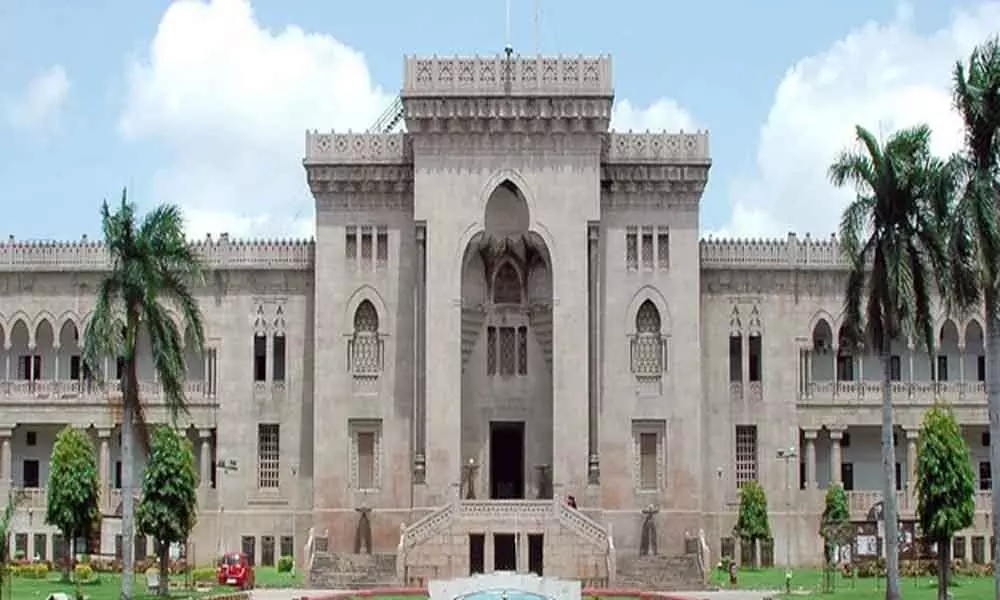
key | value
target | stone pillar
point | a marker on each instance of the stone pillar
(810, 435)
(419, 360)
(205, 461)
(6, 469)
(593, 345)
(961, 369)
(104, 465)
(911, 461)
(836, 435)
(835, 352)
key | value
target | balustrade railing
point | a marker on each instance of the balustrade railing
(75, 390)
(870, 391)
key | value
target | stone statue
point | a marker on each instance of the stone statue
(469, 479)
(363, 532)
(647, 539)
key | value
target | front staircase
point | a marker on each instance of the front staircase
(343, 570)
(660, 573)
(438, 544)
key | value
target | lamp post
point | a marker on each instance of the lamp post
(225, 466)
(787, 455)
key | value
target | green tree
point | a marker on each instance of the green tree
(5, 519)
(150, 263)
(835, 526)
(752, 524)
(74, 488)
(945, 485)
(169, 505)
(893, 236)
(975, 240)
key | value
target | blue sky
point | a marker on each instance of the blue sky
(205, 103)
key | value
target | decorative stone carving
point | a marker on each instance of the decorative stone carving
(735, 321)
(500, 74)
(753, 323)
(647, 539)
(259, 323)
(817, 254)
(363, 531)
(469, 470)
(657, 148)
(278, 324)
(358, 148)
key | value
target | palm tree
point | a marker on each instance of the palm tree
(892, 234)
(975, 239)
(151, 262)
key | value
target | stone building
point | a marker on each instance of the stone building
(504, 306)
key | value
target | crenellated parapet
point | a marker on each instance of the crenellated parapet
(577, 76)
(772, 254)
(357, 148)
(220, 254)
(674, 148)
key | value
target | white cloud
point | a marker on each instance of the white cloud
(231, 101)
(40, 106)
(662, 115)
(884, 76)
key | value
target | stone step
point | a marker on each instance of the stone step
(662, 573)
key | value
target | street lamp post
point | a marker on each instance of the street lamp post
(787, 455)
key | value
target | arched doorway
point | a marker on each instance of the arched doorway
(507, 354)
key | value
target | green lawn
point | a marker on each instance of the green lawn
(108, 586)
(913, 588)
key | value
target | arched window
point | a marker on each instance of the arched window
(365, 347)
(647, 345)
(506, 285)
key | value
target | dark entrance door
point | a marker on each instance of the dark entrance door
(506, 460)
(504, 552)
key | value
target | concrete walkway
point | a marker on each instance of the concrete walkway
(264, 594)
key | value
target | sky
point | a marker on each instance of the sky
(205, 103)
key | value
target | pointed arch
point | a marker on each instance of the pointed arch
(651, 294)
(369, 293)
(507, 284)
(16, 317)
(70, 316)
(647, 318)
(823, 315)
(46, 317)
(365, 347)
(365, 318)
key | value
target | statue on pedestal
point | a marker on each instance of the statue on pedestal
(469, 479)
(647, 539)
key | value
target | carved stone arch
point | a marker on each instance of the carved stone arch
(504, 266)
(278, 325)
(940, 330)
(514, 178)
(825, 316)
(651, 294)
(43, 316)
(367, 292)
(754, 326)
(258, 320)
(735, 321)
(963, 331)
(68, 316)
(16, 317)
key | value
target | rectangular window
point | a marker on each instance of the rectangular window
(259, 357)
(120, 368)
(985, 476)
(845, 367)
(631, 249)
(647, 461)
(366, 246)
(522, 350)
(980, 368)
(41, 551)
(30, 472)
(507, 351)
(978, 549)
(278, 370)
(248, 544)
(847, 476)
(382, 248)
(899, 476)
(288, 545)
(21, 546)
(31, 438)
(958, 548)
(895, 368)
(491, 350)
(942, 367)
(647, 248)
(365, 443)
(29, 367)
(746, 454)
(118, 474)
(74, 367)
(267, 550)
(59, 549)
(755, 350)
(735, 359)
(663, 250)
(141, 552)
(351, 244)
(268, 456)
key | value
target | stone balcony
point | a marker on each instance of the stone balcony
(74, 402)
(860, 502)
(863, 400)
(37, 498)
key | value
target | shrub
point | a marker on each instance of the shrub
(285, 564)
(83, 572)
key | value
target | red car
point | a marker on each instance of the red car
(235, 569)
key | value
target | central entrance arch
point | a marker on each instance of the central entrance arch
(506, 342)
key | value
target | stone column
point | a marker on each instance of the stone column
(104, 465)
(836, 435)
(810, 435)
(593, 362)
(205, 464)
(911, 462)
(419, 360)
(834, 353)
(6, 470)
(961, 369)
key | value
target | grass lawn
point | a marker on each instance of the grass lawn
(913, 588)
(108, 586)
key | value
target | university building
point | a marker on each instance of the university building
(506, 305)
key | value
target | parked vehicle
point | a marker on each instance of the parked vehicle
(235, 569)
